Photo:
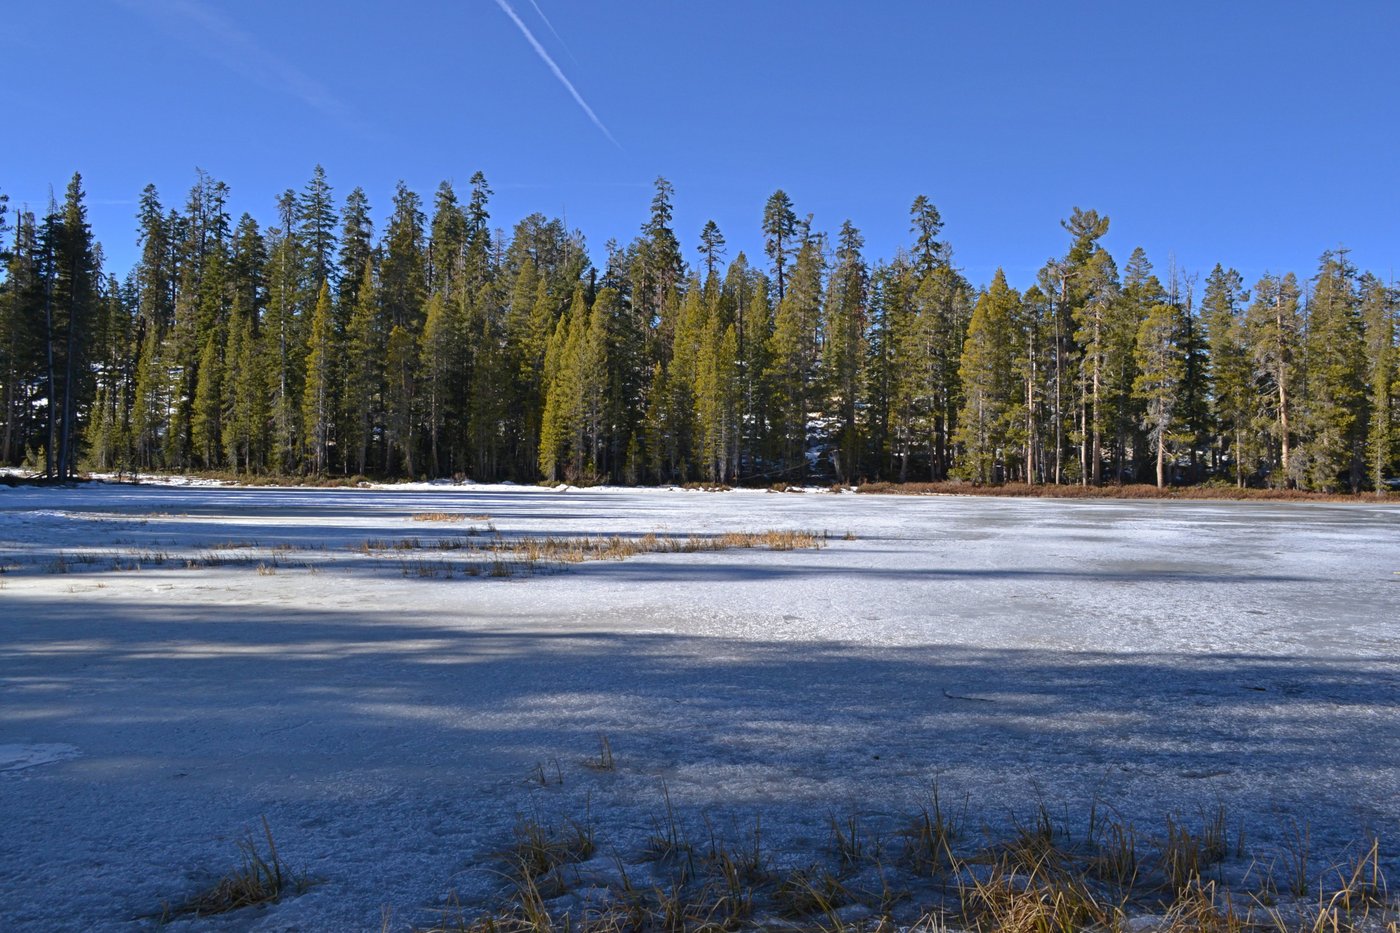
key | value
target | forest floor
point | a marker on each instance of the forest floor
(404, 680)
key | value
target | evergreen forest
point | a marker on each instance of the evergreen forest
(438, 345)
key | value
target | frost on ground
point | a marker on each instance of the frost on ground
(177, 663)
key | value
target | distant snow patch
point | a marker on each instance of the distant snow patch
(19, 757)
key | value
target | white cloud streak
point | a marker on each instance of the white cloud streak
(539, 12)
(219, 38)
(558, 73)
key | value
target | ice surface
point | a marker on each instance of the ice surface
(1158, 656)
(18, 757)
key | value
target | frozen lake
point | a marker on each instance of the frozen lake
(1160, 657)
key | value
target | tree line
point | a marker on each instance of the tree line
(446, 347)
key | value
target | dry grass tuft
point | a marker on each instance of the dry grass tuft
(1184, 856)
(507, 556)
(1040, 898)
(1115, 857)
(438, 517)
(1200, 907)
(605, 760)
(538, 850)
(259, 879)
(1037, 877)
(814, 890)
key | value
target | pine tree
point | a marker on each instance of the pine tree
(1378, 314)
(754, 340)
(490, 397)
(1334, 425)
(779, 233)
(356, 249)
(206, 413)
(316, 219)
(561, 424)
(1230, 373)
(717, 402)
(70, 306)
(401, 365)
(246, 410)
(1073, 279)
(889, 313)
(1122, 404)
(656, 270)
(682, 377)
(236, 406)
(988, 389)
(1091, 305)
(1160, 370)
(1032, 353)
(1273, 333)
(402, 274)
(594, 381)
(843, 356)
(926, 223)
(318, 392)
(941, 311)
(711, 247)
(149, 408)
(366, 341)
(107, 433)
(284, 332)
(477, 265)
(446, 243)
(794, 359)
(247, 267)
(22, 300)
(1194, 410)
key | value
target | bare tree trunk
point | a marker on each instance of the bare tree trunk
(1161, 454)
(48, 348)
(1239, 460)
(1281, 379)
(1097, 447)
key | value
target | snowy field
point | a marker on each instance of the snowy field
(393, 723)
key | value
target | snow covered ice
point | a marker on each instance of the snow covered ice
(1163, 657)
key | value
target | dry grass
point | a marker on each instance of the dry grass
(1184, 856)
(1034, 878)
(615, 547)
(1040, 898)
(814, 890)
(502, 556)
(438, 517)
(605, 760)
(260, 878)
(540, 851)
(1201, 907)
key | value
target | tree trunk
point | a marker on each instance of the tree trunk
(1161, 456)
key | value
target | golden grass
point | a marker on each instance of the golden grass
(1037, 879)
(259, 879)
(501, 556)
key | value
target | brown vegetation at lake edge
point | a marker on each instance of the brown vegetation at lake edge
(933, 874)
(1134, 491)
(528, 554)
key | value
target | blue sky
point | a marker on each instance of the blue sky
(1254, 134)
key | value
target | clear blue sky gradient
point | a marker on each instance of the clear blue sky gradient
(1255, 134)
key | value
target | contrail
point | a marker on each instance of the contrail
(541, 15)
(540, 51)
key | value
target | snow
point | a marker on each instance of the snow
(18, 757)
(1161, 657)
